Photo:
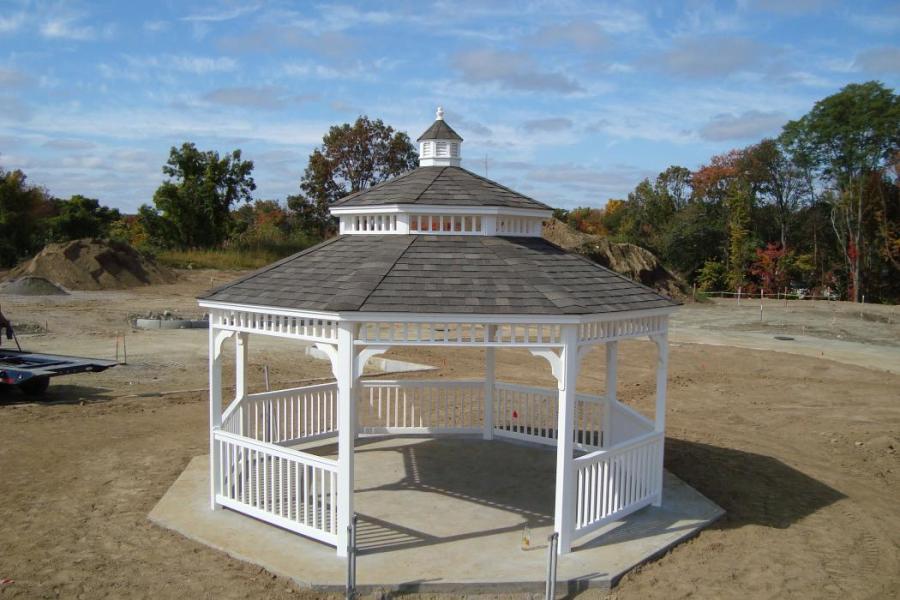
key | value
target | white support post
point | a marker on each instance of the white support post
(241, 346)
(662, 373)
(612, 386)
(490, 379)
(564, 510)
(347, 374)
(216, 338)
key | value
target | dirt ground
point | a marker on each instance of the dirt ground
(801, 451)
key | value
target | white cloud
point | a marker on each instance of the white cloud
(584, 35)
(791, 7)
(13, 110)
(547, 124)
(263, 97)
(752, 124)
(13, 78)
(68, 25)
(511, 71)
(198, 65)
(156, 26)
(709, 57)
(222, 14)
(879, 60)
(11, 23)
(596, 183)
(68, 144)
(272, 37)
(881, 22)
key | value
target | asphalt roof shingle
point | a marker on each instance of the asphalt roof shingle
(440, 274)
(440, 186)
(439, 130)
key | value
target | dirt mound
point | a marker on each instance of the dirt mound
(32, 286)
(91, 264)
(626, 259)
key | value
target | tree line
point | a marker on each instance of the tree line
(816, 207)
(207, 202)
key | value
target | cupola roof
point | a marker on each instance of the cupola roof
(439, 130)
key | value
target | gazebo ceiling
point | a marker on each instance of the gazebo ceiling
(441, 186)
(445, 274)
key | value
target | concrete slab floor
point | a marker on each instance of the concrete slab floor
(442, 514)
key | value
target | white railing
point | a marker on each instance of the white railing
(459, 334)
(530, 413)
(274, 323)
(257, 475)
(291, 489)
(615, 482)
(413, 406)
(282, 416)
(626, 424)
(417, 406)
(605, 331)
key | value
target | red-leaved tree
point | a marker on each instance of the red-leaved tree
(770, 267)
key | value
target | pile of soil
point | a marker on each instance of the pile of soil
(32, 286)
(92, 264)
(629, 260)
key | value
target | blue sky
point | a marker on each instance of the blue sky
(571, 102)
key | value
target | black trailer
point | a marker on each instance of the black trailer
(31, 371)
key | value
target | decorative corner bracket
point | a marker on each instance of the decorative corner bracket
(365, 354)
(219, 339)
(556, 364)
(331, 352)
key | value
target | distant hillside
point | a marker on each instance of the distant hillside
(627, 259)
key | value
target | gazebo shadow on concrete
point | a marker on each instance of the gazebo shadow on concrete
(498, 474)
(752, 488)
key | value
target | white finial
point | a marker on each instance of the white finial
(440, 113)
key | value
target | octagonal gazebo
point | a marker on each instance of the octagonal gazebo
(438, 256)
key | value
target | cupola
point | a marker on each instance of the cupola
(440, 198)
(439, 146)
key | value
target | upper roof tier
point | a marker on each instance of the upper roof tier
(440, 186)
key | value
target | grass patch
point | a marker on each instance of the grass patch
(226, 260)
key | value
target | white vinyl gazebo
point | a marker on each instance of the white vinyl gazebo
(438, 256)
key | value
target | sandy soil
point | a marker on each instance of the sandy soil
(801, 451)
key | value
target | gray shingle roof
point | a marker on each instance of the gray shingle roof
(439, 130)
(440, 186)
(440, 274)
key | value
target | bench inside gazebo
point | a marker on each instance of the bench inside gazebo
(436, 257)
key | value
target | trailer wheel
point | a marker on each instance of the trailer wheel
(35, 386)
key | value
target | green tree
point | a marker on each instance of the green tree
(80, 217)
(695, 236)
(777, 180)
(351, 158)
(193, 208)
(712, 276)
(740, 244)
(845, 138)
(22, 205)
